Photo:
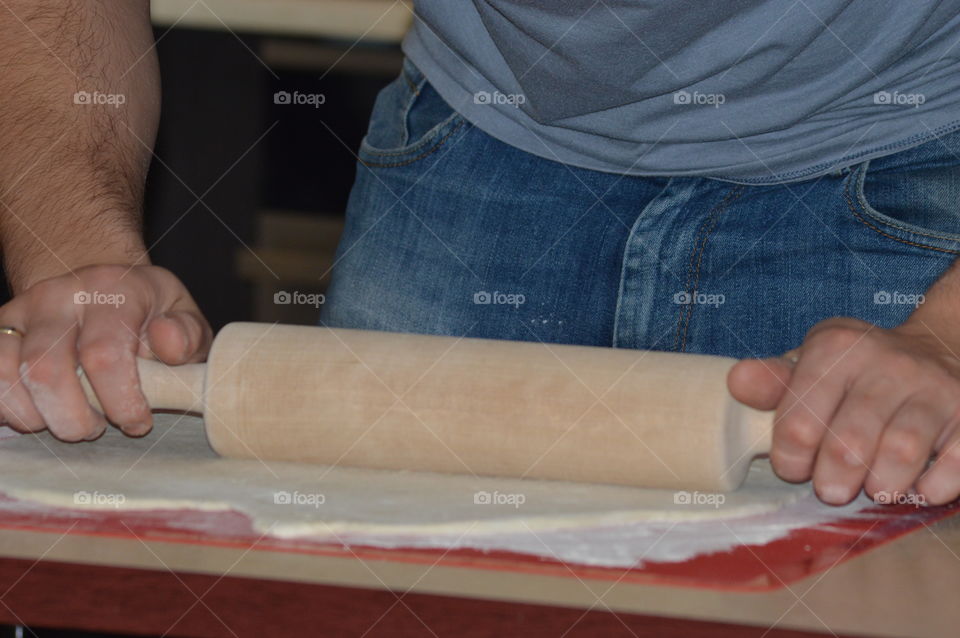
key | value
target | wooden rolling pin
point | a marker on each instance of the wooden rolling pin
(467, 406)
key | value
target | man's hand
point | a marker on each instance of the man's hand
(863, 407)
(72, 175)
(102, 318)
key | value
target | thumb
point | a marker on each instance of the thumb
(760, 383)
(179, 336)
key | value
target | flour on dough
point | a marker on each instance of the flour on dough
(174, 467)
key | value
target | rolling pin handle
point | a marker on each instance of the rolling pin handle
(166, 387)
(758, 430)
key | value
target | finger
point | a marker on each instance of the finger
(815, 391)
(906, 446)
(179, 336)
(940, 484)
(847, 451)
(16, 407)
(759, 383)
(49, 371)
(107, 346)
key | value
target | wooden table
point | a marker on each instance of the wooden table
(353, 20)
(148, 574)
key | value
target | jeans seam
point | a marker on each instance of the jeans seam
(416, 88)
(894, 147)
(696, 257)
(413, 85)
(432, 150)
(623, 265)
(859, 215)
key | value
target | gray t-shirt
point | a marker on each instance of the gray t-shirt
(754, 91)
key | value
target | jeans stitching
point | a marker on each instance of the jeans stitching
(428, 138)
(861, 173)
(869, 210)
(432, 150)
(693, 275)
(413, 85)
(625, 260)
(416, 88)
(894, 147)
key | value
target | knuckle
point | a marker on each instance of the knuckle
(905, 366)
(163, 276)
(840, 338)
(800, 433)
(904, 446)
(852, 444)
(102, 354)
(104, 274)
(40, 370)
(59, 288)
(110, 271)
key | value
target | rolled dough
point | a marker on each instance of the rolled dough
(174, 467)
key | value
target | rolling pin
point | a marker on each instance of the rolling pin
(466, 406)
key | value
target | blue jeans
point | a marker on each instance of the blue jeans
(450, 231)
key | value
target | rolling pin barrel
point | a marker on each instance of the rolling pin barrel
(474, 406)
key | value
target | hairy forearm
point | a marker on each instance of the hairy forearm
(79, 106)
